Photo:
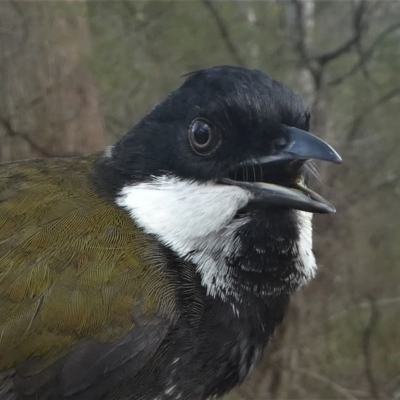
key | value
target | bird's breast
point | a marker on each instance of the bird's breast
(213, 352)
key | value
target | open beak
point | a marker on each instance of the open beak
(299, 147)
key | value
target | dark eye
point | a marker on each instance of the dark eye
(204, 137)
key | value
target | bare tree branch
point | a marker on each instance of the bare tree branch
(352, 136)
(367, 54)
(22, 31)
(37, 148)
(390, 301)
(368, 110)
(315, 64)
(299, 38)
(354, 198)
(10, 131)
(331, 55)
(24, 107)
(335, 386)
(224, 32)
(366, 349)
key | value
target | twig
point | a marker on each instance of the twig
(300, 38)
(391, 94)
(315, 64)
(366, 348)
(367, 54)
(38, 149)
(331, 55)
(353, 199)
(335, 386)
(224, 32)
(10, 131)
(365, 305)
(33, 102)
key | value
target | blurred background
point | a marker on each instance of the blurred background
(75, 76)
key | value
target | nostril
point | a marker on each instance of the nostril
(280, 143)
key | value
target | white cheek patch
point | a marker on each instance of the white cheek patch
(194, 219)
(178, 211)
(306, 261)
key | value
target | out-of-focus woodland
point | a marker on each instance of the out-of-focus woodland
(74, 76)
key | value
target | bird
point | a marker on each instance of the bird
(160, 267)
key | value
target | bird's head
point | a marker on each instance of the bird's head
(217, 173)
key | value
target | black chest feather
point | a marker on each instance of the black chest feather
(210, 349)
(215, 343)
(218, 355)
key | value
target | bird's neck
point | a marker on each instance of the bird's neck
(259, 253)
(273, 254)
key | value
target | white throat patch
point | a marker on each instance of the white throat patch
(193, 219)
(196, 220)
(306, 260)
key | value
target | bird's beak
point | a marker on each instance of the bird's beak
(299, 146)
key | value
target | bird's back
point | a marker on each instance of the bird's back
(73, 268)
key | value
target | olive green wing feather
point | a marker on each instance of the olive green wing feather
(74, 269)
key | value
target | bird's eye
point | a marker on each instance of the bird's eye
(203, 137)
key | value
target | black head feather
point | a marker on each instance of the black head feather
(247, 107)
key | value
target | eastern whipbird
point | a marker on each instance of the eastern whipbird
(159, 268)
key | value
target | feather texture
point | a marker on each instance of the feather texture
(74, 268)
